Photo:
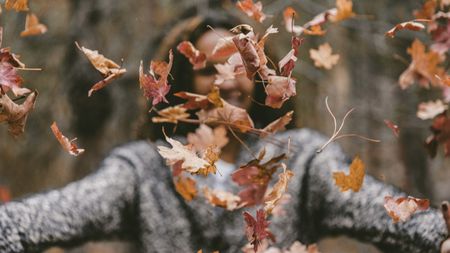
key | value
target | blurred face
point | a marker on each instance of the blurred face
(236, 92)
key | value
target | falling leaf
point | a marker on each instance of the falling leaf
(32, 26)
(9, 79)
(195, 101)
(205, 137)
(186, 187)
(17, 5)
(441, 135)
(171, 114)
(430, 109)
(278, 210)
(344, 10)
(288, 16)
(224, 48)
(279, 90)
(109, 69)
(255, 177)
(402, 208)
(423, 68)
(287, 64)
(354, 180)
(68, 145)
(323, 57)
(156, 88)
(427, 10)
(274, 196)
(315, 30)
(225, 72)
(192, 163)
(395, 129)
(410, 25)
(257, 229)
(15, 115)
(248, 53)
(5, 194)
(196, 58)
(222, 199)
(277, 125)
(214, 97)
(253, 10)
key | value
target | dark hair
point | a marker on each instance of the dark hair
(193, 27)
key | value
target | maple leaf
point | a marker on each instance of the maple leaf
(315, 30)
(354, 180)
(257, 229)
(323, 57)
(32, 26)
(109, 69)
(248, 53)
(205, 137)
(277, 125)
(17, 5)
(275, 195)
(424, 67)
(427, 10)
(441, 135)
(344, 10)
(68, 145)
(430, 109)
(410, 25)
(255, 177)
(171, 114)
(156, 88)
(195, 101)
(222, 199)
(186, 187)
(253, 10)
(227, 114)
(402, 208)
(196, 58)
(192, 163)
(15, 115)
(395, 129)
(279, 89)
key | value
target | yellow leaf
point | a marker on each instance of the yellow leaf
(355, 178)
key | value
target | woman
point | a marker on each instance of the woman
(132, 195)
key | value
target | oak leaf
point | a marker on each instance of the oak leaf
(354, 180)
(155, 84)
(251, 9)
(196, 58)
(68, 145)
(109, 69)
(323, 57)
(32, 26)
(15, 115)
(402, 208)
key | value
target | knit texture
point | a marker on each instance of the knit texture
(132, 196)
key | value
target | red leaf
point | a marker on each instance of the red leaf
(393, 127)
(248, 53)
(257, 229)
(279, 90)
(156, 88)
(287, 64)
(253, 10)
(67, 144)
(196, 58)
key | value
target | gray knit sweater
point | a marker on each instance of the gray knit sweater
(132, 196)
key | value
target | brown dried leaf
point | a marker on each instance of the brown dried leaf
(16, 115)
(402, 208)
(196, 58)
(224, 48)
(277, 125)
(279, 90)
(274, 196)
(427, 10)
(214, 97)
(222, 199)
(205, 137)
(323, 57)
(344, 10)
(410, 25)
(171, 114)
(253, 10)
(354, 180)
(249, 54)
(32, 26)
(430, 109)
(17, 5)
(68, 145)
(186, 187)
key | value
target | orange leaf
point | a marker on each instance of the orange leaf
(274, 196)
(410, 25)
(16, 115)
(402, 208)
(323, 57)
(32, 26)
(222, 199)
(277, 125)
(186, 187)
(17, 5)
(68, 145)
(205, 137)
(344, 10)
(109, 69)
(253, 10)
(196, 58)
(171, 114)
(354, 180)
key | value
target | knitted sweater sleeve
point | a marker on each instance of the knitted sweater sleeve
(327, 211)
(97, 207)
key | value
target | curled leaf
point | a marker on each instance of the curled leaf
(68, 145)
(15, 115)
(279, 90)
(186, 187)
(410, 25)
(32, 26)
(402, 208)
(344, 10)
(222, 199)
(395, 129)
(277, 125)
(248, 53)
(196, 58)
(274, 196)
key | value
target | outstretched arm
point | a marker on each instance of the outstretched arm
(361, 214)
(99, 206)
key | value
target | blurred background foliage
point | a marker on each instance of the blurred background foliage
(365, 78)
